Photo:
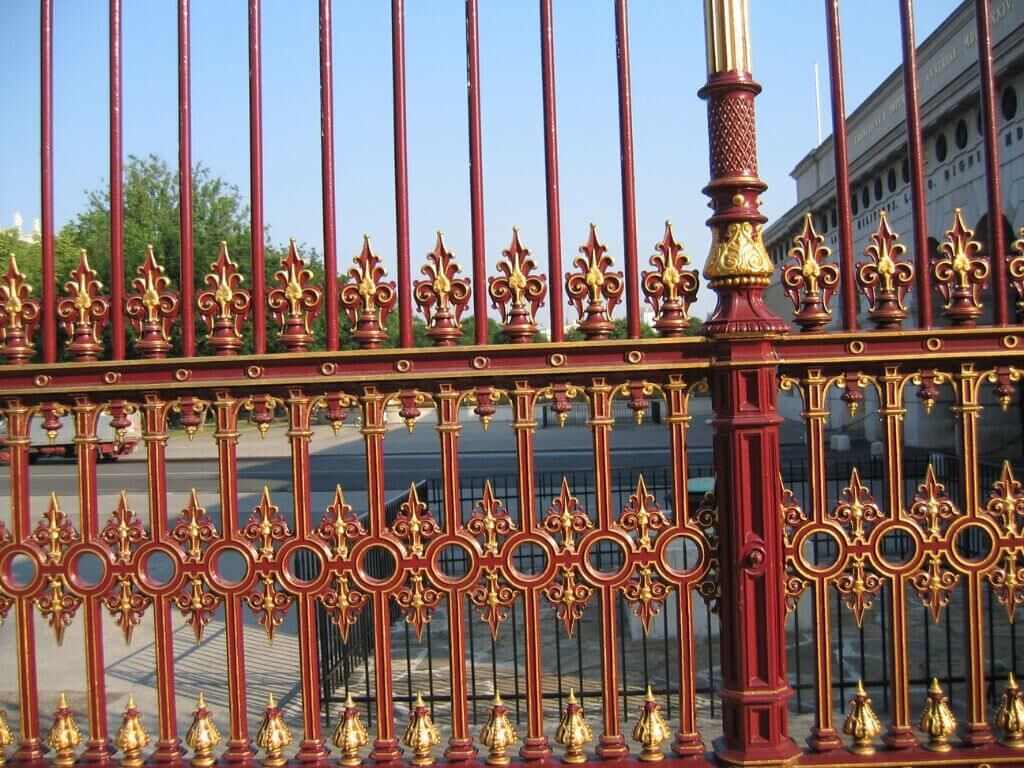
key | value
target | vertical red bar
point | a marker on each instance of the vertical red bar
(116, 187)
(187, 269)
(30, 745)
(626, 156)
(259, 299)
(915, 156)
(168, 749)
(476, 172)
(49, 287)
(848, 289)
(401, 173)
(547, 68)
(327, 170)
(311, 748)
(996, 238)
(86, 415)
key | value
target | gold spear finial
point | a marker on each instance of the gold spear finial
(132, 736)
(350, 734)
(202, 735)
(861, 722)
(498, 734)
(273, 735)
(651, 729)
(64, 736)
(422, 735)
(6, 737)
(573, 732)
(1010, 715)
(937, 719)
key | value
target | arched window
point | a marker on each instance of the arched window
(833, 217)
(853, 204)
(941, 149)
(890, 180)
(878, 188)
(865, 198)
(960, 136)
(1009, 103)
(906, 170)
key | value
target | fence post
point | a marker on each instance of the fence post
(754, 688)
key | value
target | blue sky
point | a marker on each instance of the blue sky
(669, 120)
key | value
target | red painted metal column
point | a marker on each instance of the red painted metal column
(86, 442)
(476, 172)
(49, 286)
(915, 159)
(460, 744)
(401, 173)
(994, 189)
(311, 748)
(30, 745)
(154, 435)
(744, 390)
(626, 157)
(259, 290)
(226, 409)
(186, 273)
(688, 741)
(547, 67)
(385, 746)
(116, 186)
(611, 743)
(535, 742)
(847, 287)
(327, 172)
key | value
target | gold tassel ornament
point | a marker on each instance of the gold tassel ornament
(573, 732)
(498, 734)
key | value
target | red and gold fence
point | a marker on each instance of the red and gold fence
(760, 549)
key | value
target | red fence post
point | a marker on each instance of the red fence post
(744, 390)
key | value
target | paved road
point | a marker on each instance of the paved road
(327, 470)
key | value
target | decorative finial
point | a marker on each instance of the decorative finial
(443, 296)
(64, 736)
(937, 719)
(651, 729)
(367, 299)
(273, 735)
(593, 289)
(573, 732)
(517, 293)
(6, 737)
(861, 722)
(350, 734)
(293, 302)
(886, 279)
(498, 734)
(202, 735)
(422, 735)
(132, 736)
(1010, 715)
(670, 288)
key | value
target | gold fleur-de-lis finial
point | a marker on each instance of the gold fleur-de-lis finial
(443, 296)
(293, 302)
(886, 279)
(224, 304)
(594, 290)
(670, 288)
(809, 281)
(517, 291)
(19, 315)
(152, 308)
(368, 300)
(961, 273)
(83, 311)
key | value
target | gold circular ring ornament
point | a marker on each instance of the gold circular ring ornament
(634, 356)
(556, 360)
(183, 374)
(856, 347)
(480, 362)
(933, 344)
(327, 369)
(1010, 342)
(254, 371)
(41, 380)
(111, 377)
(403, 366)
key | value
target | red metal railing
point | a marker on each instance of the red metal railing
(752, 538)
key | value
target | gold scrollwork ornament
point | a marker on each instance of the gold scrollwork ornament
(740, 254)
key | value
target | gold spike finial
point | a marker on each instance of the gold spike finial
(64, 736)
(202, 735)
(132, 736)
(422, 735)
(498, 734)
(937, 719)
(861, 722)
(573, 732)
(350, 734)
(273, 735)
(1010, 715)
(651, 729)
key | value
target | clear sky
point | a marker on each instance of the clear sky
(669, 120)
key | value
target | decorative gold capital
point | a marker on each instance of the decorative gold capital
(740, 256)
(727, 35)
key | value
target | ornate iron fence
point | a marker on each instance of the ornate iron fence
(872, 550)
